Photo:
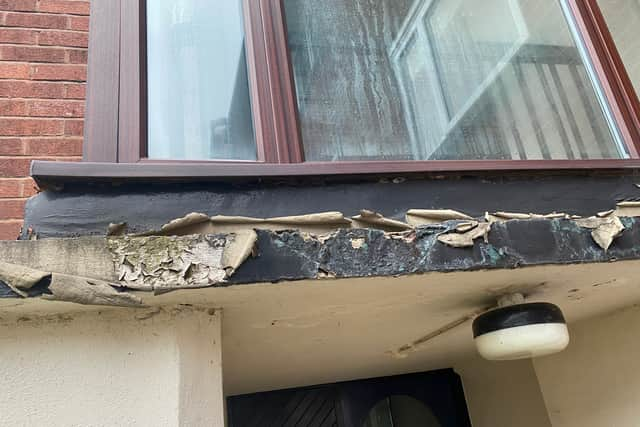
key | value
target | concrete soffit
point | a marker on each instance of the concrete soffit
(199, 251)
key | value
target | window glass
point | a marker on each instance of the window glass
(400, 411)
(444, 80)
(198, 92)
(623, 19)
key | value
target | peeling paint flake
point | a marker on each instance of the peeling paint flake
(509, 216)
(147, 263)
(628, 209)
(171, 262)
(464, 234)
(434, 216)
(240, 246)
(370, 219)
(605, 229)
(19, 278)
(199, 223)
(605, 213)
(62, 287)
(89, 292)
(358, 243)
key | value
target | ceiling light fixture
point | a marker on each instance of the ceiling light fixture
(519, 330)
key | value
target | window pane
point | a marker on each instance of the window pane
(198, 92)
(400, 411)
(444, 80)
(623, 19)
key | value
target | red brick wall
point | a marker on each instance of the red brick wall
(43, 56)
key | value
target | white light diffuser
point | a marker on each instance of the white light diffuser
(523, 342)
(520, 331)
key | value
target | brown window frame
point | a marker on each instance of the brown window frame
(115, 126)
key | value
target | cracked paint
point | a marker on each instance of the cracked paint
(170, 262)
(166, 263)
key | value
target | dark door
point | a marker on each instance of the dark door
(431, 399)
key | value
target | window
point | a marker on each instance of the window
(281, 87)
(444, 80)
(198, 90)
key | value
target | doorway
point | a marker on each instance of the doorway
(429, 399)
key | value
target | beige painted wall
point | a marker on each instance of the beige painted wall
(502, 394)
(164, 369)
(596, 381)
(112, 369)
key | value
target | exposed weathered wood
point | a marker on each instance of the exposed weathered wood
(165, 263)
(81, 256)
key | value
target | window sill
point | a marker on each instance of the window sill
(50, 172)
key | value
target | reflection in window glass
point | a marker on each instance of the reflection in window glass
(444, 80)
(623, 19)
(400, 411)
(198, 92)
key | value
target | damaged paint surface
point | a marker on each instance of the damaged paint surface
(61, 287)
(434, 216)
(167, 262)
(85, 291)
(81, 209)
(155, 263)
(199, 251)
(199, 223)
(464, 234)
(606, 226)
(21, 279)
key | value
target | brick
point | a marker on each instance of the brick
(43, 71)
(35, 20)
(11, 35)
(41, 108)
(11, 147)
(31, 127)
(10, 230)
(63, 38)
(77, 56)
(73, 7)
(75, 90)
(29, 188)
(55, 108)
(79, 23)
(59, 72)
(32, 54)
(12, 208)
(18, 5)
(12, 167)
(11, 188)
(14, 71)
(10, 107)
(74, 127)
(53, 147)
(23, 89)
